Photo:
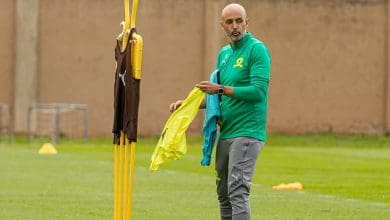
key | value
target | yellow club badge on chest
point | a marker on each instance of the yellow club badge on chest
(239, 62)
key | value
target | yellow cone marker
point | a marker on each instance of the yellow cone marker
(289, 186)
(47, 148)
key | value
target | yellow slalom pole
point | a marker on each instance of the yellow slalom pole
(131, 174)
(126, 180)
(134, 13)
(136, 61)
(119, 151)
(127, 14)
(125, 32)
(116, 182)
(121, 175)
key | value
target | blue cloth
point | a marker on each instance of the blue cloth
(209, 131)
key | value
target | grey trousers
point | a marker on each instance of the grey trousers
(235, 164)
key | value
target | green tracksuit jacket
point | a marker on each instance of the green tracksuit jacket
(246, 67)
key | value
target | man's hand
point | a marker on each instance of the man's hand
(208, 87)
(175, 105)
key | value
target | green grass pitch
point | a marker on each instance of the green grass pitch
(344, 177)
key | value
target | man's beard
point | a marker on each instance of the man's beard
(236, 35)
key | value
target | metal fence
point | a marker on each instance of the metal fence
(53, 123)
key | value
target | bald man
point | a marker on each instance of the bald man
(244, 67)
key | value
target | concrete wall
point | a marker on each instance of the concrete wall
(26, 81)
(330, 59)
(387, 67)
(7, 34)
(328, 64)
(77, 56)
